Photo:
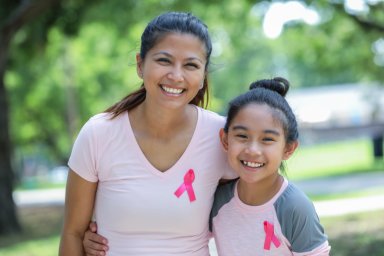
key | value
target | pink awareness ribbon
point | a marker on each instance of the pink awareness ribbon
(270, 236)
(189, 177)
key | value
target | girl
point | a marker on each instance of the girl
(262, 213)
(148, 167)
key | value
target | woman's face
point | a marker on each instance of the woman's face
(173, 70)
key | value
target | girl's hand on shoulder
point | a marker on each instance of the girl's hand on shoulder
(93, 243)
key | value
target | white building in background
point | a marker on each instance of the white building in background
(339, 110)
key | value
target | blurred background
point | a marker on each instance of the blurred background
(63, 61)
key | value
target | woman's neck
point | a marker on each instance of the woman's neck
(162, 122)
(261, 192)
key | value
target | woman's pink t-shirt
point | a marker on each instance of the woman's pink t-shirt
(136, 207)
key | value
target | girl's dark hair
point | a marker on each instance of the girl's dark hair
(158, 28)
(270, 92)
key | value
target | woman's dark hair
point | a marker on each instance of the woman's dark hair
(158, 28)
(270, 92)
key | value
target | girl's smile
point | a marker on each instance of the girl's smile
(252, 165)
(255, 143)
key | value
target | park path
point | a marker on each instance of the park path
(333, 185)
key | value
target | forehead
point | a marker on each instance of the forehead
(180, 41)
(257, 116)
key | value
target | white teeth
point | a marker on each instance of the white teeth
(172, 90)
(252, 164)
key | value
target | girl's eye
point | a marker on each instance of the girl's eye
(241, 136)
(268, 139)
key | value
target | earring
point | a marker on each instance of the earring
(201, 86)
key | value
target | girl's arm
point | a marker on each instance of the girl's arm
(79, 202)
(93, 243)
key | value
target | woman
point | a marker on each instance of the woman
(148, 167)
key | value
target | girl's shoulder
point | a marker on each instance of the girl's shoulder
(299, 221)
(293, 201)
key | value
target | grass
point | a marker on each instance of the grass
(331, 159)
(37, 247)
(357, 234)
(40, 234)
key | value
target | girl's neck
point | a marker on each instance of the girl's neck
(261, 192)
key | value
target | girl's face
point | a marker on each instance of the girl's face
(255, 143)
(173, 70)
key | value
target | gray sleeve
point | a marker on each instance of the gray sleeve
(224, 193)
(299, 221)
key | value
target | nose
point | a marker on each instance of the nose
(253, 148)
(176, 74)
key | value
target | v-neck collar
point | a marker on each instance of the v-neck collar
(178, 164)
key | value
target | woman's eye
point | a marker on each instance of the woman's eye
(241, 136)
(192, 65)
(163, 60)
(268, 139)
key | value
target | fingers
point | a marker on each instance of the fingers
(94, 244)
(91, 252)
(93, 226)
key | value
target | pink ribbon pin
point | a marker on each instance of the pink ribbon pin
(189, 177)
(270, 236)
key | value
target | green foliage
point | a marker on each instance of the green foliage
(60, 77)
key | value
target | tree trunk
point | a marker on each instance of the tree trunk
(378, 144)
(8, 218)
(26, 12)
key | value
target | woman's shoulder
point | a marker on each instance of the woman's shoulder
(103, 122)
(211, 116)
(104, 119)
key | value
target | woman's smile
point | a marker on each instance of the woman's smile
(172, 91)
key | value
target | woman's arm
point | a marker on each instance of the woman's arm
(79, 202)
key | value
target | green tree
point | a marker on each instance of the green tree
(15, 15)
(32, 20)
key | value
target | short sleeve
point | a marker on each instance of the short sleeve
(83, 157)
(300, 223)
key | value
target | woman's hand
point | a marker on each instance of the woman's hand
(93, 243)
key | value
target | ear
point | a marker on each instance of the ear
(290, 149)
(139, 64)
(201, 85)
(224, 139)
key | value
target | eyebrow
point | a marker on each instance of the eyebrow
(170, 56)
(268, 131)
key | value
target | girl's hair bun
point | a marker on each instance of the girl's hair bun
(277, 84)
